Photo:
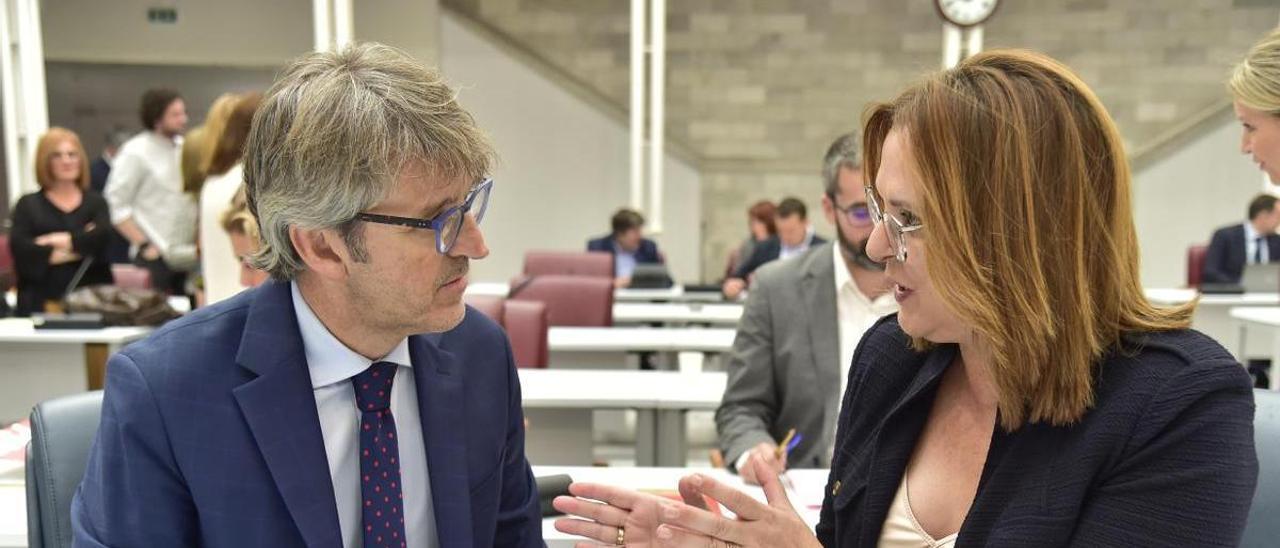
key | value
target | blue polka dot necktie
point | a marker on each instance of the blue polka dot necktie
(382, 502)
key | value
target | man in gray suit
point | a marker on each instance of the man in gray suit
(804, 317)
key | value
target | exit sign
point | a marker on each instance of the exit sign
(162, 16)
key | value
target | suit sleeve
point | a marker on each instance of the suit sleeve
(519, 511)
(93, 242)
(750, 403)
(133, 493)
(30, 260)
(753, 262)
(1215, 259)
(1188, 473)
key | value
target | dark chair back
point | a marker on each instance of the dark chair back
(1263, 528)
(62, 432)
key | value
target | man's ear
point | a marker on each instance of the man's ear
(829, 209)
(323, 251)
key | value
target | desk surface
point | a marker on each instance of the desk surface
(671, 294)
(1177, 296)
(21, 330)
(640, 339)
(712, 313)
(595, 389)
(806, 497)
(1263, 315)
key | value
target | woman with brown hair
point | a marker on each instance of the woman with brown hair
(760, 226)
(1027, 393)
(59, 228)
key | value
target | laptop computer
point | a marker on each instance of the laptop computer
(1261, 278)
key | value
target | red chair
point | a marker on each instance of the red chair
(1195, 264)
(527, 323)
(570, 263)
(8, 276)
(131, 277)
(578, 301)
(488, 305)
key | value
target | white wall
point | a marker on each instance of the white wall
(1182, 197)
(563, 167)
(225, 32)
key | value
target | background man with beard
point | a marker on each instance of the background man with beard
(353, 399)
(803, 320)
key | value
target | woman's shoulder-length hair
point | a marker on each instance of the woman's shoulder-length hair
(1029, 230)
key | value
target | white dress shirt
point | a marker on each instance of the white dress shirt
(332, 365)
(786, 251)
(218, 263)
(1251, 236)
(855, 313)
(145, 184)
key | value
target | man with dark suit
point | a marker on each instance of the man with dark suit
(627, 244)
(803, 320)
(99, 170)
(353, 400)
(795, 236)
(1252, 242)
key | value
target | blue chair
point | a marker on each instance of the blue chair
(1263, 527)
(62, 432)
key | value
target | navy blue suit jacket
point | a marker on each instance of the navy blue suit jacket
(210, 437)
(647, 253)
(766, 252)
(1225, 260)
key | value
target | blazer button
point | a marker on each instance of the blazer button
(835, 489)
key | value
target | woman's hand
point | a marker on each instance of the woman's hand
(621, 517)
(773, 525)
(57, 240)
(60, 256)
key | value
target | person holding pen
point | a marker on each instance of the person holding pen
(1027, 393)
(800, 325)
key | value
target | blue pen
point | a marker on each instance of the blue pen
(794, 442)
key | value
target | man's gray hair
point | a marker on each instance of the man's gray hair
(846, 151)
(334, 133)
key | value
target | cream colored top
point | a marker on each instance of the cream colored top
(901, 530)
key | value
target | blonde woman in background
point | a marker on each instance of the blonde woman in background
(225, 176)
(199, 142)
(241, 229)
(1255, 90)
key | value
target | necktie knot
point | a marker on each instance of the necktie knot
(373, 387)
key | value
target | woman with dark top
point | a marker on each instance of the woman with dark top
(761, 227)
(1027, 393)
(60, 228)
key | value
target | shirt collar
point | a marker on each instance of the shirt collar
(328, 360)
(617, 249)
(1250, 233)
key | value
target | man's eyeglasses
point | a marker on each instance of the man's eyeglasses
(857, 213)
(894, 229)
(448, 224)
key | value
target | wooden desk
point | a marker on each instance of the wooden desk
(41, 364)
(609, 347)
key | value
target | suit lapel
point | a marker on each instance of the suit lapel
(280, 408)
(442, 407)
(819, 288)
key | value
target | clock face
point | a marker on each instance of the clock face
(966, 13)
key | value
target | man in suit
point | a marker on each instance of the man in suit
(795, 236)
(803, 320)
(99, 170)
(627, 244)
(352, 400)
(1254, 241)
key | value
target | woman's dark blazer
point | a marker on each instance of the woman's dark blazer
(1165, 456)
